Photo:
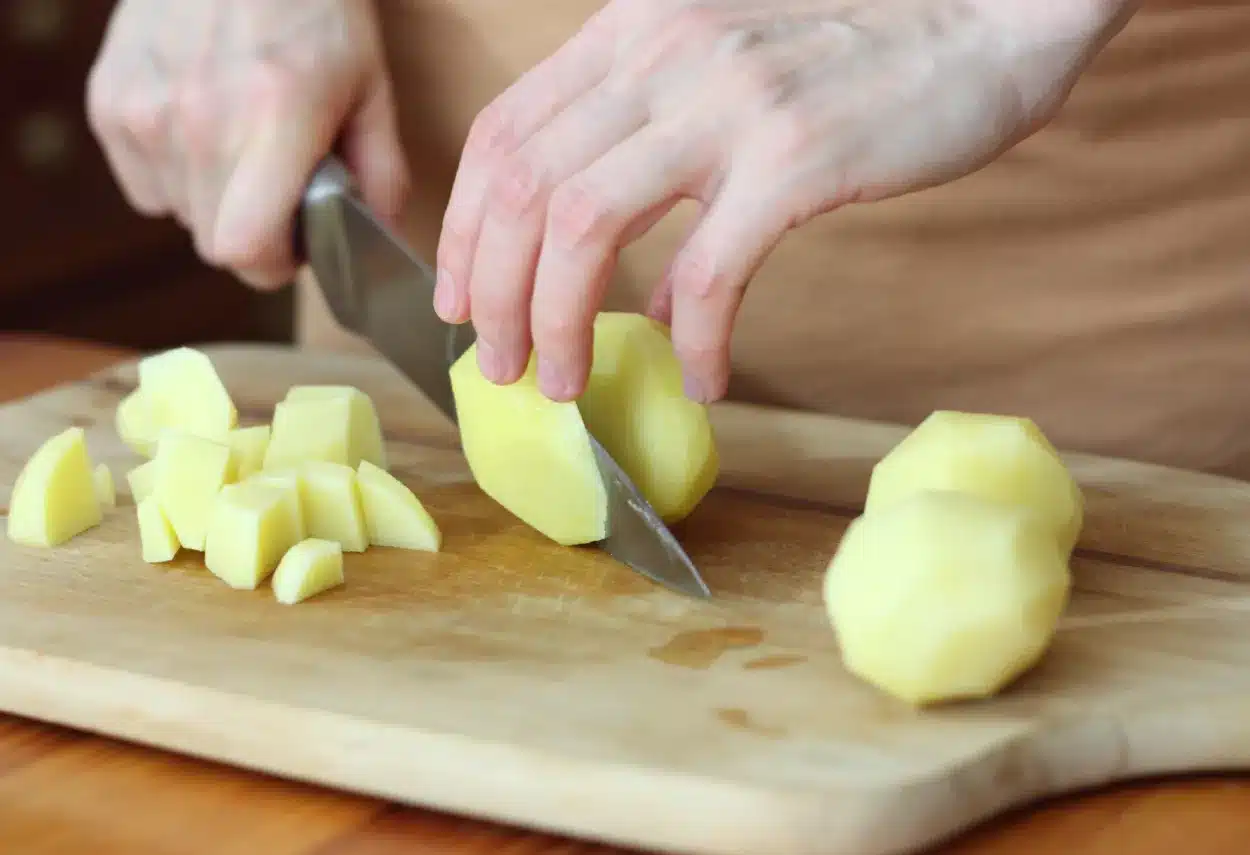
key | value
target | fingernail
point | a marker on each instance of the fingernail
(488, 361)
(693, 388)
(552, 382)
(444, 295)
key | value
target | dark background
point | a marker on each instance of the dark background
(75, 260)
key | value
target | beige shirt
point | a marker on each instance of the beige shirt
(1095, 278)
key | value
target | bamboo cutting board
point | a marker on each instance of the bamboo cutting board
(512, 679)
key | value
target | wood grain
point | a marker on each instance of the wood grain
(118, 798)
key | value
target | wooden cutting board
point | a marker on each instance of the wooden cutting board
(512, 679)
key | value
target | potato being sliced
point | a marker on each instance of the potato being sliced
(142, 480)
(190, 470)
(105, 489)
(54, 498)
(365, 440)
(308, 568)
(945, 595)
(248, 533)
(247, 447)
(183, 390)
(157, 540)
(394, 516)
(331, 502)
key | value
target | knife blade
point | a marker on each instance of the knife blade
(377, 287)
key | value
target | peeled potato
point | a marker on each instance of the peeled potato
(394, 516)
(247, 447)
(288, 482)
(157, 541)
(364, 429)
(248, 533)
(105, 489)
(533, 455)
(1003, 458)
(334, 424)
(137, 424)
(189, 472)
(142, 480)
(945, 595)
(182, 390)
(331, 502)
(308, 568)
(54, 498)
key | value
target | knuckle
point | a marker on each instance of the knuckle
(697, 276)
(197, 108)
(492, 131)
(789, 135)
(557, 328)
(672, 31)
(516, 189)
(578, 216)
(144, 119)
(273, 84)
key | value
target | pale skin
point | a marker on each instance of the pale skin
(765, 113)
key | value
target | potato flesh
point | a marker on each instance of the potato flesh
(142, 480)
(530, 454)
(136, 423)
(54, 498)
(190, 471)
(331, 502)
(1003, 458)
(248, 533)
(288, 482)
(635, 406)
(308, 568)
(945, 595)
(394, 516)
(365, 440)
(157, 541)
(183, 390)
(105, 489)
(247, 446)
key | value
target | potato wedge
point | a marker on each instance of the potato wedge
(54, 498)
(157, 541)
(308, 568)
(394, 516)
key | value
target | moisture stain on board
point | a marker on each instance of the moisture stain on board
(740, 719)
(700, 648)
(771, 663)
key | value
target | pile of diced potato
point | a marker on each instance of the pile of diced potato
(283, 500)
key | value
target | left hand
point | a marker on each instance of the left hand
(765, 112)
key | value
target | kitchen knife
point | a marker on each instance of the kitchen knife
(378, 288)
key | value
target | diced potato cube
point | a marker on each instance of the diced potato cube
(331, 501)
(394, 517)
(308, 568)
(287, 480)
(142, 480)
(365, 440)
(248, 445)
(137, 423)
(105, 489)
(157, 539)
(307, 430)
(190, 471)
(249, 531)
(945, 595)
(54, 497)
(184, 391)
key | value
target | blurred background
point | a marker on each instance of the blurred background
(75, 260)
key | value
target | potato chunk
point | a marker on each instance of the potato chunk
(634, 404)
(945, 595)
(54, 498)
(182, 389)
(394, 516)
(142, 480)
(530, 454)
(157, 540)
(332, 508)
(137, 424)
(1003, 458)
(105, 489)
(190, 470)
(287, 481)
(308, 568)
(247, 447)
(365, 429)
(248, 533)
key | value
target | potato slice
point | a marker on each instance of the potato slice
(1004, 458)
(190, 470)
(394, 516)
(142, 480)
(248, 445)
(287, 480)
(54, 497)
(331, 502)
(158, 542)
(945, 595)
(530, 454)
(105, 489)
(635, 406)
(248, 533)
(182, 389)
(137, 424)
(308, 568)
(365, 441)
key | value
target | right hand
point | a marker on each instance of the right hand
(217, 112)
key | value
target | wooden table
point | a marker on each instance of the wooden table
(68, 793)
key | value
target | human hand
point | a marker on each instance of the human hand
(218, 111)
(766, 113)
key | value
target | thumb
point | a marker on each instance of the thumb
(374, 152)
